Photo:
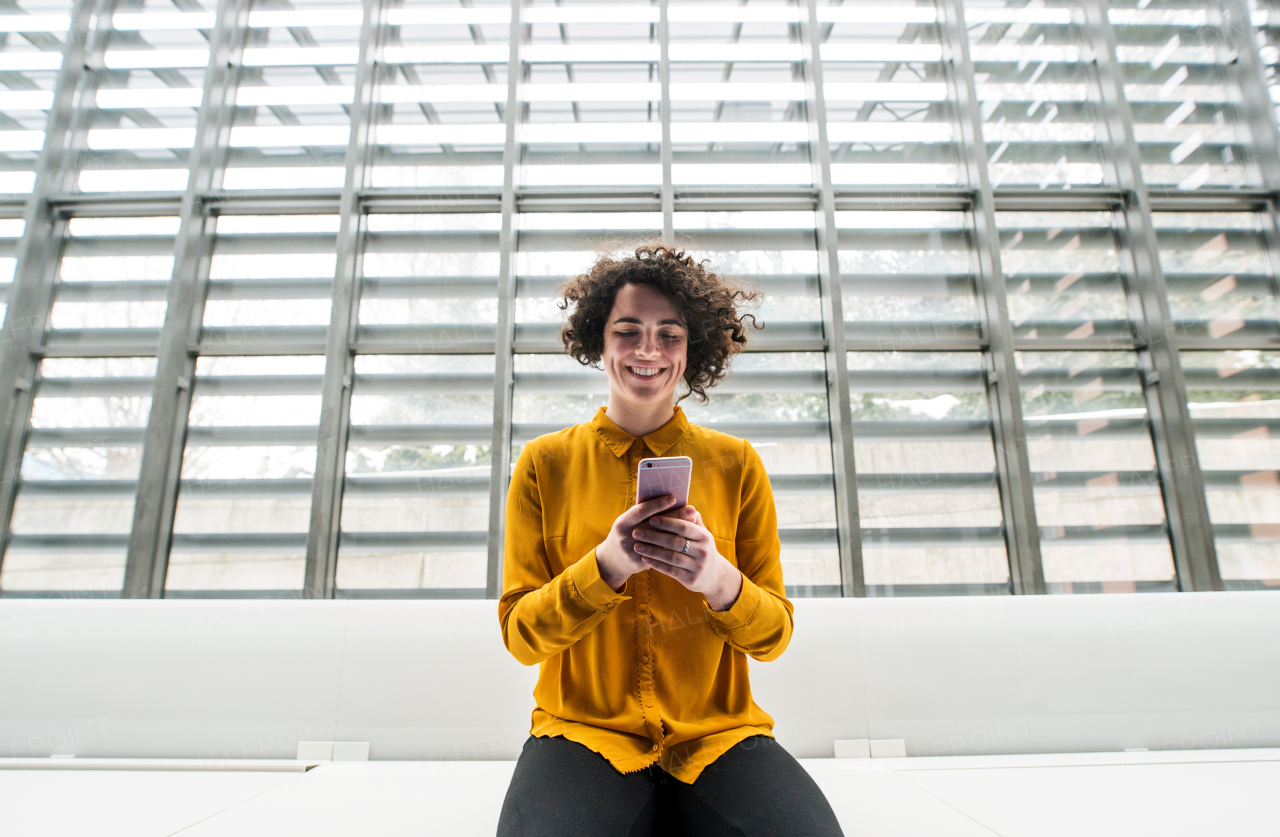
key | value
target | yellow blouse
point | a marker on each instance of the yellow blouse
(650, 674)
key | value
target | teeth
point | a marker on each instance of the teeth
(648, 373)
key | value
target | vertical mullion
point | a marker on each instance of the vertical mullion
(1257, 111)
(161, 470)
(339, 363)
(844, 471)
(1163, 384)
(1254, 107)
(1269, 226)
(31, 295)
(664, 81)
(504, 335)
(1013, 466)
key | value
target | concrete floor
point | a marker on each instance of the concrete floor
(1170, 793)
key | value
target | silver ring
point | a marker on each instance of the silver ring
(686, 546)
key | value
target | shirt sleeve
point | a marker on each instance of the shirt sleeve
(760, 622)
(542, 615)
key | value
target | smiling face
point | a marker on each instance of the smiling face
(645, 347)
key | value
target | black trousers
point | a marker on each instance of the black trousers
(562, 789)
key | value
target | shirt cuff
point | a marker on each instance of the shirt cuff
(593, 589)
(742, 611)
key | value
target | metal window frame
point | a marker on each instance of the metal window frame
(1163, 384)
(149, 540)
(320, 574)
(844, 470)
(1013, 467)
(1254, 109)
(1258, 114)
(504, 344)
(31, 296)
(668, 197)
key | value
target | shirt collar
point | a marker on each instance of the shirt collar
(659, 441)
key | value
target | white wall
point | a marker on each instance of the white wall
(431, 680)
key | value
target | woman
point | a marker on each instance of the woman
(641, 616)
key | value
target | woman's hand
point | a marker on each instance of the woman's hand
(684, 549)
(616, 557)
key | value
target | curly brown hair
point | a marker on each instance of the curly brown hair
(708, 302)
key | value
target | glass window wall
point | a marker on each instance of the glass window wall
(32, 37)
(358, 324)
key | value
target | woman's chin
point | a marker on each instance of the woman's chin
(642, 395)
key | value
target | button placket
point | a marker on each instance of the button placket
(644, 627)
(648, 689)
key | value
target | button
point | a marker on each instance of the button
(644, 659)
(655, 748)
(643, 608)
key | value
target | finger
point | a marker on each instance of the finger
(667, 556)
(682, 513)
(683, 528)
(641, 511)
(683, 576)
(663, 539)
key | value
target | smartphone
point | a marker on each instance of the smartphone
(664, 475)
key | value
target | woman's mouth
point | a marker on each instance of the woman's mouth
(644, 371)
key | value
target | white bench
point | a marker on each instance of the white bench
(430, 680)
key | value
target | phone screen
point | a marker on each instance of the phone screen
(664, 475)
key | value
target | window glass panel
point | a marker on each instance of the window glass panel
(245, 499)
(1223, 301)
(1265, 15)
(431, 280)
(552, 392)
(113, 282)
(148, 96)
(270, 282)
(738, 114)
(32, 56)
(1173, 55)
(1033, 90)
(74, 509)
(778, 402)
(770, 252)
(1097, 495)
(554, 246)
(1063, 274)
(1234, 398)
(927, 493)
(591, 95)
(292, 120)
(888, 117)
(10, 232)
(907, 279)
(775, 396)
(1221, 288)
(415, 507)
(443, 94)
